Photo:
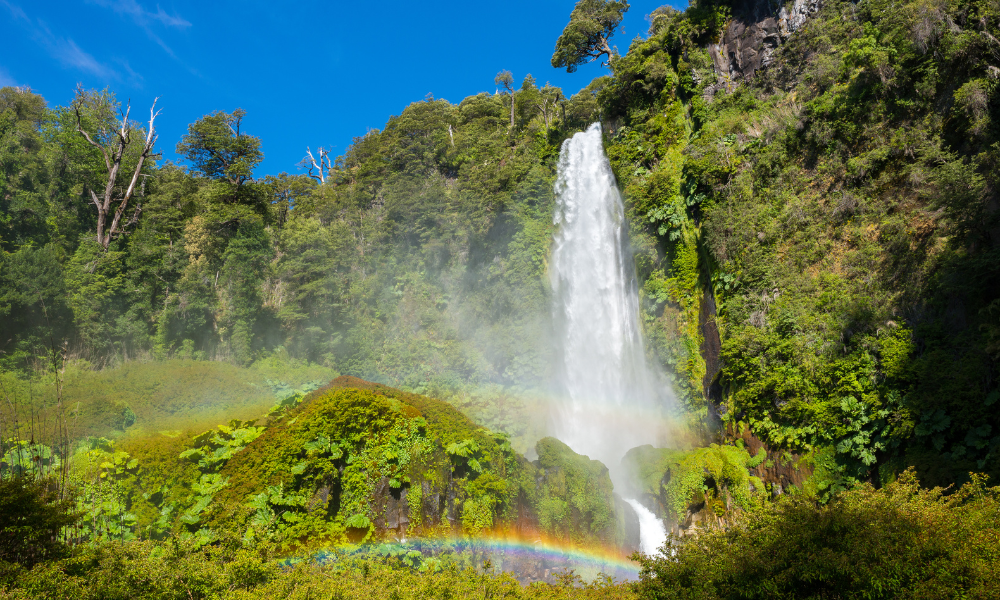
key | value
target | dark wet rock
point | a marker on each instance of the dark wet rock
(753, 35)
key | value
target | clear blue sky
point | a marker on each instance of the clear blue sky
(307, 73)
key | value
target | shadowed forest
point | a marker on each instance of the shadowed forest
(336, 383)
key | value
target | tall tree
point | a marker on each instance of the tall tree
(218, 149)
(22, 174)
(113, 146)
(585, 38)
(548, 99)
(506, 80)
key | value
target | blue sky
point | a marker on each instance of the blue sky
(307, 73)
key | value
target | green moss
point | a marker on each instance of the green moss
(575, 500)
(684, 478)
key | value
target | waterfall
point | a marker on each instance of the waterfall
(609, 400)
(652, 534)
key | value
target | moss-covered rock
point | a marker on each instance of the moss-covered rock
(697, 487)
(353, 461)
(573, 500)
(357, 460)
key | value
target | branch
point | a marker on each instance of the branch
(319, 167)
(79, 128)
(146, 150)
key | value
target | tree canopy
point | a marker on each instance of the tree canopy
(585, 38)
(218, 149)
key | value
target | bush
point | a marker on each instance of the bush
(32, 518)
(900, 541)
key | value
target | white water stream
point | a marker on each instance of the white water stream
(609, 397)
(652, 534)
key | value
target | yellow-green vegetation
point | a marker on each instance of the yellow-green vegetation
(900, 541)
(716, 477)
(144, 397)
(353, 461)
(233, 571)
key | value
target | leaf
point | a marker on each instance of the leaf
(358, 522)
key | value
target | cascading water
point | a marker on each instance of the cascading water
(609, 401)
(652, 534)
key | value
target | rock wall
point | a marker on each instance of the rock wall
(756, 30)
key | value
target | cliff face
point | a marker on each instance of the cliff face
(756, 30)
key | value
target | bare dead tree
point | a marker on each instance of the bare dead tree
(319, 170)
(113, 195)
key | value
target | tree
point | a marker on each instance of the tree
(32, 518)
(319, 170)
(585, 38)
(506, 79)
(284, 191)
(113, 147)
(217, 148)
(548, 99)
(22, 173)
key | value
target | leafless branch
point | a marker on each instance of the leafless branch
(112, 163)
(319, 170)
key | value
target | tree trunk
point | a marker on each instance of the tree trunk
(605, 49)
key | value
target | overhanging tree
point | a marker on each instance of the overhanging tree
(585, 38)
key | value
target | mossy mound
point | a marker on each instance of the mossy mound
(350, 462)
(444, 421)
(356, 460)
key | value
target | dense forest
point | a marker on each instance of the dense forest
(214, 373)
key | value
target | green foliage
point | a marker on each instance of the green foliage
(212, 449)
(102, 479)
(900, 541)
(419, 262)
(716, 476)
(26, 458)
(218, 149)
(32, 517)
(575, 499)
(585, 38)
(836, 208)
(231, 570)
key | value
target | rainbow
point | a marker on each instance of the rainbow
(528, 560)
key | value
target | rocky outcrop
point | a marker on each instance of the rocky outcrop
(780, 470)
(749, 42)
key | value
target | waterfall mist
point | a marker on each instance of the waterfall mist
(610, 400)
